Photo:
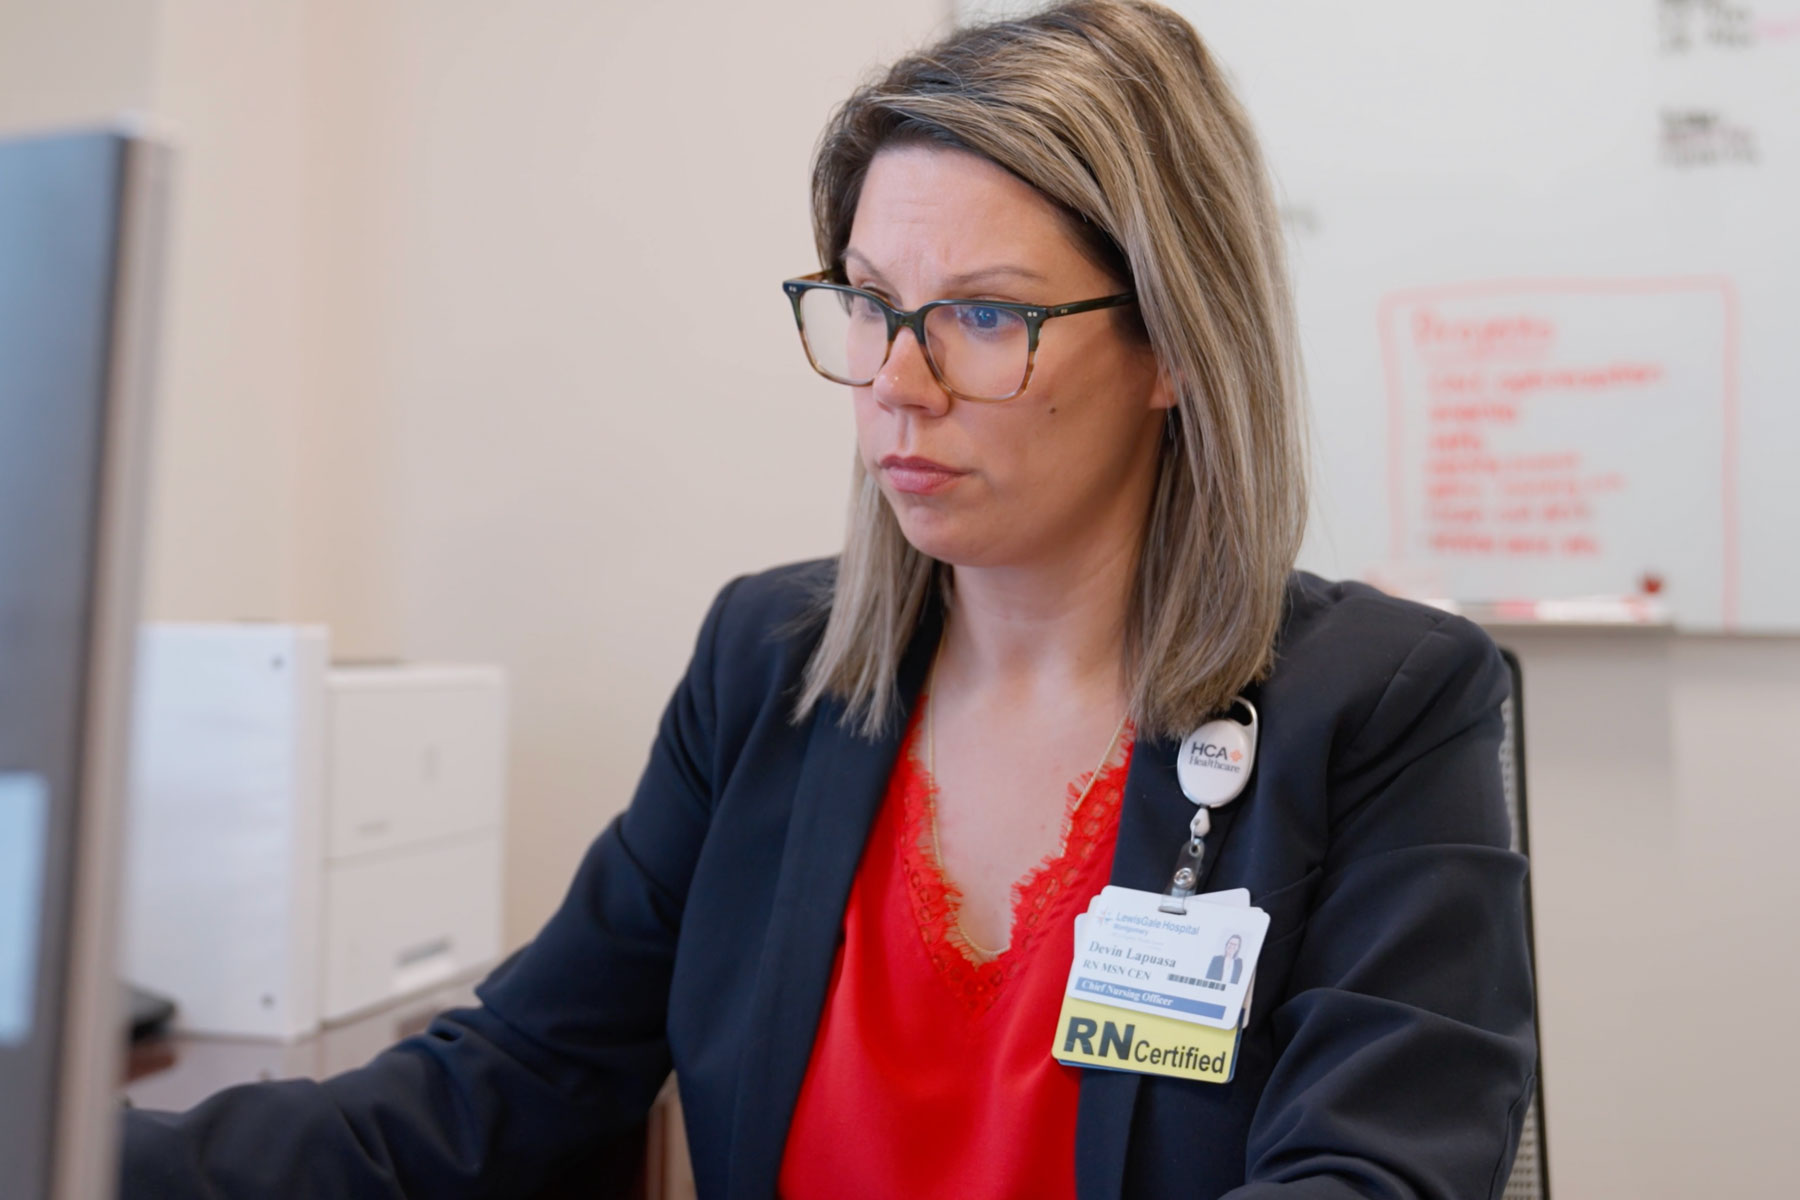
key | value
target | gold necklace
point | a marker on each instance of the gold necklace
(937, 845)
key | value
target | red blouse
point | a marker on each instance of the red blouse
(931, 1073)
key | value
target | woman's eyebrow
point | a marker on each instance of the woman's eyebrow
(967, 279)
(1006, 271)
(862, 261)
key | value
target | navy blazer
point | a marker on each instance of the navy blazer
(1390, 1051)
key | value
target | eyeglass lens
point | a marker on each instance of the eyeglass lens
(979, 350)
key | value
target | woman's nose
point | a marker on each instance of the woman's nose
(906, 381)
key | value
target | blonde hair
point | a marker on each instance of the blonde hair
(1114, 110)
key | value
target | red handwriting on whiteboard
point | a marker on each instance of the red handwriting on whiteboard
(1517, 406)
(1493, 504)
(1579, 379)
(1449, 339)
(1478, 373)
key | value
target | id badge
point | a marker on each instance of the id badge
(1159, 993)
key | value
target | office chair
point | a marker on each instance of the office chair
(1530, 1178)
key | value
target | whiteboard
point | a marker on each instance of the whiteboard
(1547, 264)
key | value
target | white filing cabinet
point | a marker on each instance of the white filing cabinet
(308, 842)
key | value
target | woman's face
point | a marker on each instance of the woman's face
(1064, 468)
(1231, 947)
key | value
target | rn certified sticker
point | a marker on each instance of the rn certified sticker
(24, 819)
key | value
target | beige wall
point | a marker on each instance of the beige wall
(70, 62)
(476, 347)
(475, 351)
(227, 496)
(1664, 814)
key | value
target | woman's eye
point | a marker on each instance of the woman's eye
(986, 318)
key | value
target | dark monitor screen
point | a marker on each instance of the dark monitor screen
(78, 223)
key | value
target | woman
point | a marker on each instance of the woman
(840, 902)
(1227, 962)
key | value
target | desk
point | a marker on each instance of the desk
(179, 1070)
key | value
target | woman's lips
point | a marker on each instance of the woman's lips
(918, 476)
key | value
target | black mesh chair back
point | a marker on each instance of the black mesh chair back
(1530, 1179)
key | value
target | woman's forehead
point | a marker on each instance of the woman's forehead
(929, 212)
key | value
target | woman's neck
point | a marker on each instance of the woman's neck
(1037, 630)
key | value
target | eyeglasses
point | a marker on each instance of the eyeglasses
(977, 349)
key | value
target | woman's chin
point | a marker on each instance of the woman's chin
(932, 535)
(953, 542)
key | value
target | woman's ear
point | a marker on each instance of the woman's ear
(1162, 389)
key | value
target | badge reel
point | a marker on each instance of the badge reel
(1213, 765)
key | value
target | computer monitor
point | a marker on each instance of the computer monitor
(80, 226)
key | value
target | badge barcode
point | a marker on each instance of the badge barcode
(1192, 982)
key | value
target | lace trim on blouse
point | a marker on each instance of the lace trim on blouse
(975, 977)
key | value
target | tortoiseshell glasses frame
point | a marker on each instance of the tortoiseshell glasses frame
(1033, 317)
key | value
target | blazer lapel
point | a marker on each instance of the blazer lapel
(840, 788)
(1153, 820)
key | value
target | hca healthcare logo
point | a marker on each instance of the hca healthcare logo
(1211, 754)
